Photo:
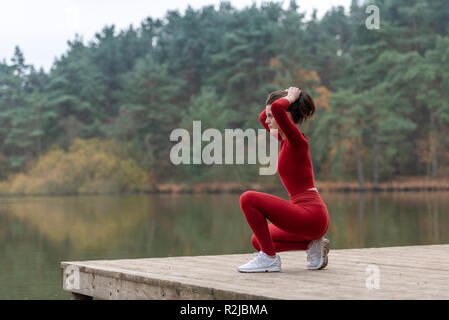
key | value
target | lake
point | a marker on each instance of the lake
(37, 233)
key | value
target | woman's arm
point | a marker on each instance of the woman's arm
(291, 131)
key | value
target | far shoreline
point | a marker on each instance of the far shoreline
(322, 186)
(411, 184)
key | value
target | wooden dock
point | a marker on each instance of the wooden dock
(406, 272)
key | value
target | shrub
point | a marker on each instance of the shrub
(91, 166)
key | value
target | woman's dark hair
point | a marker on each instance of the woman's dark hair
(302, 109)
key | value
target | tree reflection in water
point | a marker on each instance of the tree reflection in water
(37, 233)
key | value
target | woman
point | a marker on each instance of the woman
(298, 224)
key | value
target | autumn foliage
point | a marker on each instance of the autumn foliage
(90, 166)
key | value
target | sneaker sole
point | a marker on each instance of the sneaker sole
(324, 259)
(271, 269)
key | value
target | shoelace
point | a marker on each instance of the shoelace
(256, 260)
(259, 259)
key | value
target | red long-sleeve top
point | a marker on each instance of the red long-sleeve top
(294, 162)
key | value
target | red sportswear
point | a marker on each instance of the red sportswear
(296, 222)
(294, 162)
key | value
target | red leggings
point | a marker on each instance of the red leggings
(293, 224)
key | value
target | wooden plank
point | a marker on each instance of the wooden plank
(408, 272)
(200, 272)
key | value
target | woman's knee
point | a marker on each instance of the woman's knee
(247, 198)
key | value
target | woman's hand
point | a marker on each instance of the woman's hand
(293, 94)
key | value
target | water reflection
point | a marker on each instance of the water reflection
(38, 232)
(382, 219)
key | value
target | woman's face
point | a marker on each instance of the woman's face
(271, 122)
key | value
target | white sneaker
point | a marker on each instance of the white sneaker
(262, 263)
(317, 254)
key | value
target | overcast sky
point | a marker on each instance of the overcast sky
(41, 28)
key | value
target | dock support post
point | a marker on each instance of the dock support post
(79, 296)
